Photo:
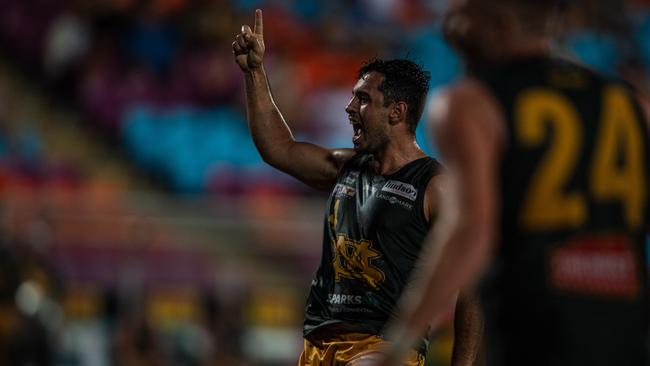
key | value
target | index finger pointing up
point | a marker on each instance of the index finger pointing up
(259, 25)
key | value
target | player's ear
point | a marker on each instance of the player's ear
(398, 112)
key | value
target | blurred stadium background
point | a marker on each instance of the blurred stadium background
(138, 225)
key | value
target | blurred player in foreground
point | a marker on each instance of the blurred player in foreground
(549, 177)
(384, 196)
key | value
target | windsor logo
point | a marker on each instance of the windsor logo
(401, 189)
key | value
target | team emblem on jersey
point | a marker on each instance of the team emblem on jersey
(401, 189)
(352, 259)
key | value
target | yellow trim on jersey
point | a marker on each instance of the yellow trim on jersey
(349, 350)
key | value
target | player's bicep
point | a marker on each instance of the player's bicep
(468, 131)
(314, 165)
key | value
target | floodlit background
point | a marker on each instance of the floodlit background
(138, 225)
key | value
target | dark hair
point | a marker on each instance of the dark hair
(404, 81)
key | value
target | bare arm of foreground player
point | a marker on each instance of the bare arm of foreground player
(644, 102)
(309, 163)
(469, 133)
(468, 330)
(468, 318)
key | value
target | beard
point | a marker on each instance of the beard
(372, 142)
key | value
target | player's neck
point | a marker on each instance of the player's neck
(396, 154)
(527, 46)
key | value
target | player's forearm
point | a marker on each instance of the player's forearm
(462, 258)
(270, 133)
(468, 330)
(459, 261)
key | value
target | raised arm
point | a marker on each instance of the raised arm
(311, 164)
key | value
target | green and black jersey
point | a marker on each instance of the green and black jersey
(373, 231)
(570, 281)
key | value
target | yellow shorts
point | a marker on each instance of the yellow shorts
(353, 349)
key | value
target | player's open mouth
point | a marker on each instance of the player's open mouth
(358, 131)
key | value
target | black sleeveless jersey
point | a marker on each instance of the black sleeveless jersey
(373, 232)
(570, 282)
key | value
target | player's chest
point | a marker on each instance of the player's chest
(374, 202)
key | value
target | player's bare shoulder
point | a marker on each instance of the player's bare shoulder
(467, 104)
(341, 156)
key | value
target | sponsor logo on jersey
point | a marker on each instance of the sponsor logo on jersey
(346, 309)
(401, 189)
(394, 201)
(344, 299)
(600, 265)
(353, 259)
(344, 191)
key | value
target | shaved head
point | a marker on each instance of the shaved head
(489, 31)
(533, 14)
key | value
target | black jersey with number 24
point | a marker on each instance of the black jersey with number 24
(570, 281)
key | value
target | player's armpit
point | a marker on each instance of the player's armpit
(432, 198)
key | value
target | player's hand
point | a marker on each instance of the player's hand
(248, 47)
